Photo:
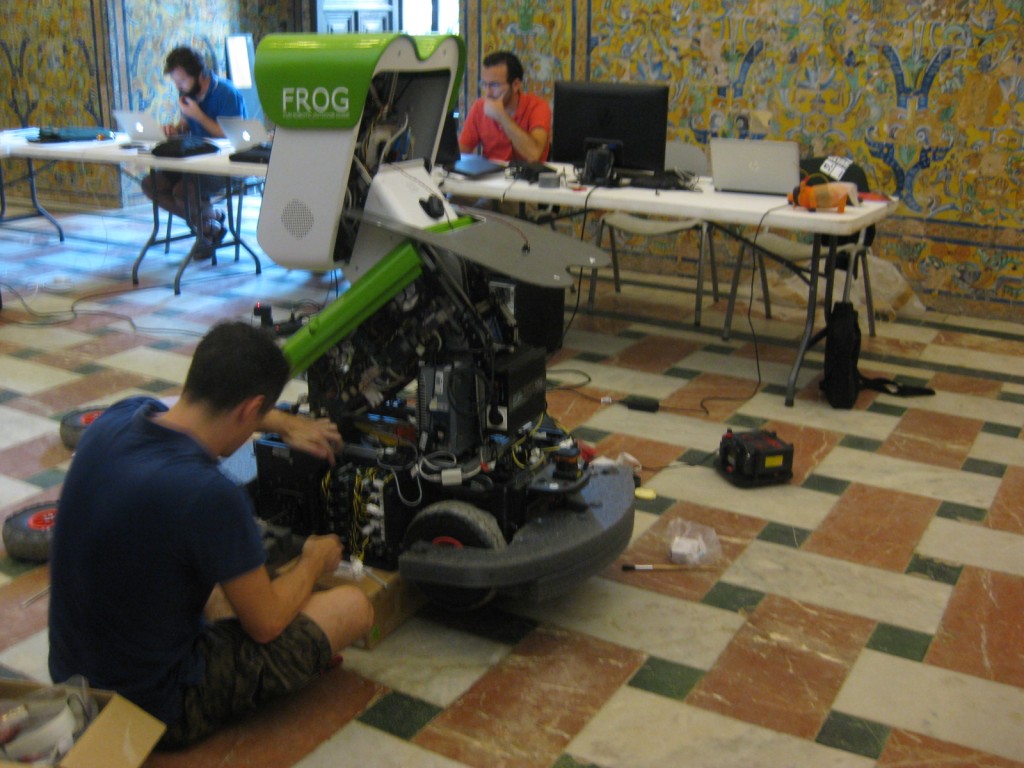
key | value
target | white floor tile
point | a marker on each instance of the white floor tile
(894, 598)
(19, 427)
(946, 705)
(784, 504)
(29, 657)
(970, 544)
(12, 491)
(675, 630)
(27, 377)
(636, 729)
(910, 477)
(359, 744)
(428, 661)
(153, 363)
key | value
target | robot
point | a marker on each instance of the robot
(466, 487)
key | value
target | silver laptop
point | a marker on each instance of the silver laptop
(755, 165)
(243, 132)
(141, 127)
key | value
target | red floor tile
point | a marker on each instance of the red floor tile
(980, 632)
(904, 749)
(873, 526)
(784, 667)
(542, 694)
(283, 732)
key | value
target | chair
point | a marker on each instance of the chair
(851, 251)
(678, 156)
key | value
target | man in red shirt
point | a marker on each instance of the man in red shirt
(505, 122)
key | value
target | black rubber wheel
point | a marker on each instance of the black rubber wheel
(28, 533)
(455, 524)
(73, 424)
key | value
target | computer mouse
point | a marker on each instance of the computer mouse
(433, 206)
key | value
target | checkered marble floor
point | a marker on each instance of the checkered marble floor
(869, 612)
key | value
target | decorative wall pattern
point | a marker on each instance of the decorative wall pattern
(73, 63)
(927, 95)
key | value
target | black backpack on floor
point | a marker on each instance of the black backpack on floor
(842, 381)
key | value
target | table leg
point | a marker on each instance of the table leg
(809, 338)
(152, 236)
(40, 211)
(235, 225)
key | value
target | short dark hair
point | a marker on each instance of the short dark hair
(233, 362)
(512, 64)
(186, 58)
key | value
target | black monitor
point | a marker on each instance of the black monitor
(631, 118)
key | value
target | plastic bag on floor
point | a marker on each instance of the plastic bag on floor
(691, 543)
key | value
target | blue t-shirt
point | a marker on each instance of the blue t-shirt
(222, 100)
(146, 526)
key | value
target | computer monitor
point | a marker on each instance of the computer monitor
(631, 118)
(238, 53)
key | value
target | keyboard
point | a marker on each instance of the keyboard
(665, 180)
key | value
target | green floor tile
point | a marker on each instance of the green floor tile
(787, 535)
(400, 715)
(1003, 430)
(49, 478)
(666, 678)
(89, 368)
(981, 467)
(774, 389)
(157, 386)
(12, 568)
(742, 423)
(489, 622)
(682, 373)
(719, 349)
(853, 734)
(860, 443)
(630, 333)
(655, 506)
(826, 484)
(568, 761)
(886, 409)
(592, 436)
(952, 511)
(591, 357)
(899, 641)
(732, 598)
(936, 570)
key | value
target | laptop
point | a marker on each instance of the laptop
(755, 165)
(142, 128)
(243, 132)
(475, 166)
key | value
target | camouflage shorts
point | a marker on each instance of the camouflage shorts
(241, 674)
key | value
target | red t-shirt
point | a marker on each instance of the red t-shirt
(480, 130)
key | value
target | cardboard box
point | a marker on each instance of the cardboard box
(393, 601)
(121, 736)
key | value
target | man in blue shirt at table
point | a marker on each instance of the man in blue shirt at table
(203, 97)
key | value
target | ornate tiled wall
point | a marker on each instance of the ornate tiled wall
(72, 63)
(927, 95)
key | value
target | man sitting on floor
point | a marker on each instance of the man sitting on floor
(159, 588)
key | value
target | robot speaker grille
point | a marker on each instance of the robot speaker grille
(297, 218)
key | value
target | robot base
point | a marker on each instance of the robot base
(546, 556)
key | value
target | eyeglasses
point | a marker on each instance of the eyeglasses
(486, 86)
